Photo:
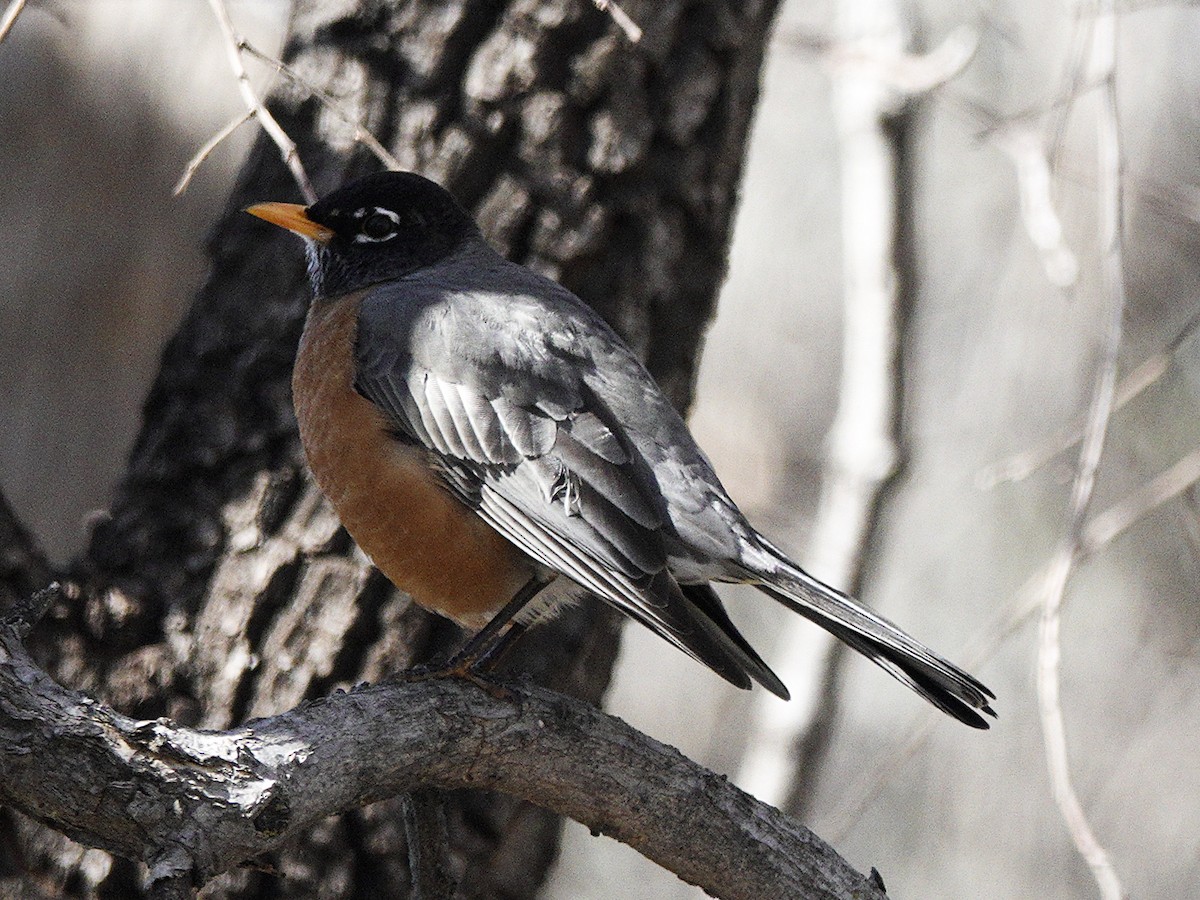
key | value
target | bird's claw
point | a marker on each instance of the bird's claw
(455, 667)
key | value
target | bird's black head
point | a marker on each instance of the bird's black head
(375, 229)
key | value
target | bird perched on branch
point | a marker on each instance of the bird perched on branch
(498, 451)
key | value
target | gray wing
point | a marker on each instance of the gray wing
(502, 404)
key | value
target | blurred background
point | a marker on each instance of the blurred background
(103, 103)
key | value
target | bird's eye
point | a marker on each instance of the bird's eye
(377, 225)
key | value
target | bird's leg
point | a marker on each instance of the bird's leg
(487, 645)
(489, 657)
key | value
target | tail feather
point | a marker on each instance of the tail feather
(942, 683)
(692, 618)
(745, 658)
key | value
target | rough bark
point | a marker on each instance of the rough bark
(220, 587)
(194, 803)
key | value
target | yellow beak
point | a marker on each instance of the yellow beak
(293, 217)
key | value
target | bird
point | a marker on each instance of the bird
(499, 452)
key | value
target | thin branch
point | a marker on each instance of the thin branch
(1077, 80)
(862, 445)
(1101, 530)
(873, 77)
(1118, 518)
(287, 147)
(1109, 169)
(209, 146)
(1034, 185)
(904, 74)
(10, 17)
(197, 803)
(1021, 465)
(631, 28)
(361, 134)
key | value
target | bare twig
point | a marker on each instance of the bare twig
(631, 28)
(1109, 169)
(10, 17)
(1074, 86)
(1021, 465)
(361, 134)
(287, 147)
(862, 446)
(209, 146)
(907, 74)
(1034, 181)
(1101, 530)
(1172, 483)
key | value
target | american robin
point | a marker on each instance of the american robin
(498, 451)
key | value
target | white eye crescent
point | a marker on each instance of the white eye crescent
(375, 225)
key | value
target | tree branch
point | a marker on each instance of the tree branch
(287, 147)
(201, 802)
(428, 842)
(874, 79)
(1110, 202)
(10, 17)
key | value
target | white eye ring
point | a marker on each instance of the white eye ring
(363, 214)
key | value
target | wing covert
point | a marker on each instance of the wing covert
(563, 473)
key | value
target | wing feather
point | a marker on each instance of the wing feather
(535, 461)
(414, 386)
(554, 553)
(532, 434)
(489, 434)
(405, 411)
(435, 401)
(464, 428)
(518, 424)
(597, 437)
(555, 499)
(657, 602)
(606, 477)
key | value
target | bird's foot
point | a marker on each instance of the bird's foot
(459, 666)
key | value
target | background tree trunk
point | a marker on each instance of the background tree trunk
(219, 586)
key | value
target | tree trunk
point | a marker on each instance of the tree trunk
(220, 587)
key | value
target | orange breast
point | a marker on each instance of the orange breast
(429, 544)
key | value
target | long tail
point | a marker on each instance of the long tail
(939, 681)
